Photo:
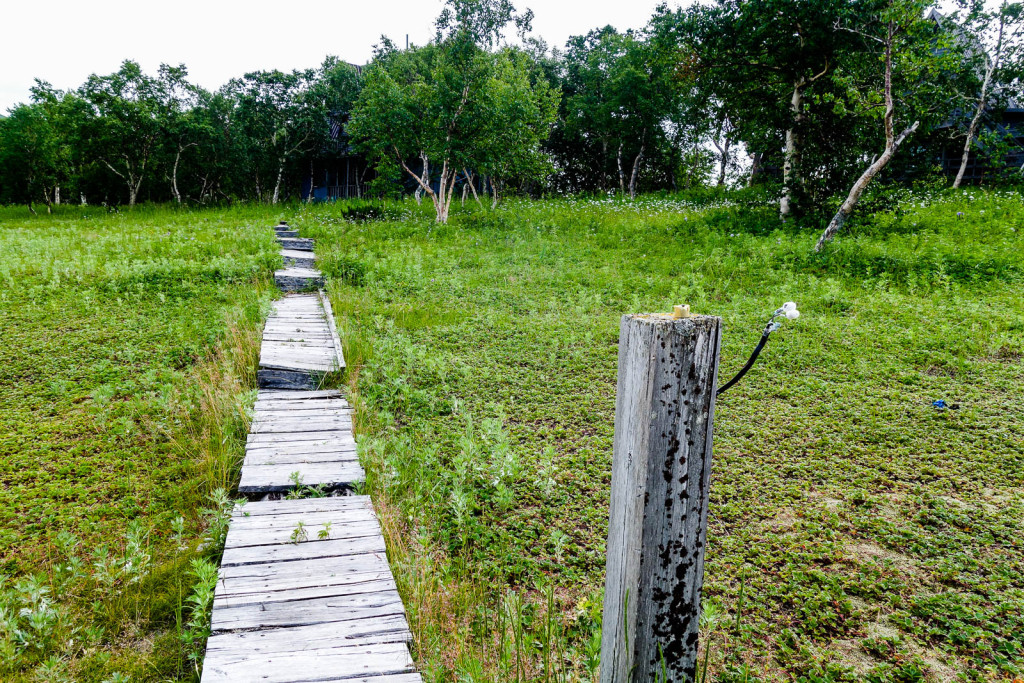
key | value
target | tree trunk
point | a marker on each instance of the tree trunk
(472, 186)
(443, 191)
(424, 179)
(604, 165)
(31, 210)
(309, 198)
(636, 167)
(990, 67)
(892, 142)
(277, 184)
(723, 160)
(622, 176)
(56, 195)
(174, 176)
(791, 166)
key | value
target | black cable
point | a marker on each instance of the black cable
(771, 327)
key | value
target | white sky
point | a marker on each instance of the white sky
(63, 41)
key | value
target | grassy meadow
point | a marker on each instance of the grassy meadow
(857, 533)
(129, 345)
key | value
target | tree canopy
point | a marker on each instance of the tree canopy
(787, 94)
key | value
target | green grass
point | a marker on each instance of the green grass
(126, 362)
(856, 533)
(871, 536)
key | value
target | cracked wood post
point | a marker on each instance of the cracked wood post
(665, 405)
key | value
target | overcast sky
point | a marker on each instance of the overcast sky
(63, 41)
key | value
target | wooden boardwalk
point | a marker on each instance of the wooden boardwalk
(304, 591)
(305, 594)
(303, 436)
(300, 343)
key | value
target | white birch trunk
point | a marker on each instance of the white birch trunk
(636, 168)
(277, 183)
(472, 186)
(892, 142)
(791, 165)
(174, 176)
(990, 67)
(622, 176)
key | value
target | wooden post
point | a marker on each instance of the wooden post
(668, 373)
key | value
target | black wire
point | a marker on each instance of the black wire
(750, 362)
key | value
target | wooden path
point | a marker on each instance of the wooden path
(303, 436)
(300, 343)
(304, 591)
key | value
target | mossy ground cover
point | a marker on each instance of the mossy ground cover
(857, 532)
(116, 419)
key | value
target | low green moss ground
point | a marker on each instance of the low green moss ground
(857, 533)
(103, 320)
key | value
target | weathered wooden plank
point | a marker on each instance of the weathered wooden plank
(329, 436)
(278, 478)
(278, 378)
(291, 587)
(659, 497)
(338, 456)
(298, 304)
(288, 406)
(293, 425)
(299, 350)
(291, 361)
(343, 447)
(277, 332)
(265, 508)
(309, 324)
(333, 326)
(320, 356)
(282, 534)
(372, 661)
(278, 336)
(288, 345)
(309, 414)
(300, 397)
(297, 366)
(297, 282)
(307, 550)
(302, 612)
(337, 517)
(278, 395)
(302, 310)
(389, 629)
(302, 573)
(299, 243)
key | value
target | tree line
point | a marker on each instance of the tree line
(814, 98)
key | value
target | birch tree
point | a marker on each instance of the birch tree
(125, 130)
(904, 57)
(766, 61)
(278, 124)
(437, 103)
(996, 40)
(28, 153)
